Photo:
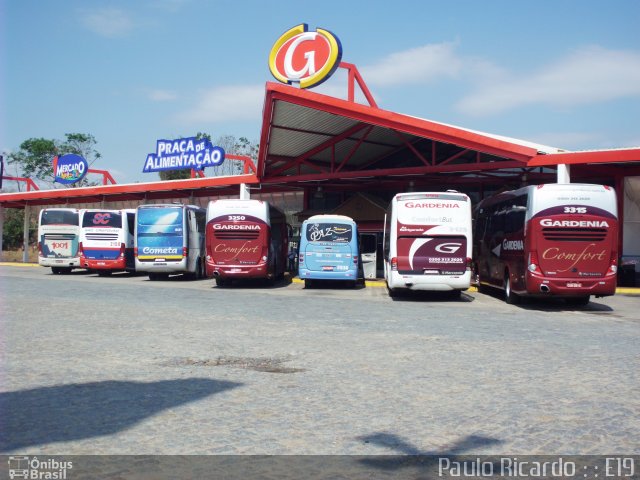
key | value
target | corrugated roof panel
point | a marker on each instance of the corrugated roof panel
(288, 115)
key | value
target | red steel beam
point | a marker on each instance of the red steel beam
(394, 172)
(573, 158)
(166, 187)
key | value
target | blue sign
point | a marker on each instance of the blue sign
(70, 168)
(183, 153)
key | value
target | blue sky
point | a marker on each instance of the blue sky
(561, 73)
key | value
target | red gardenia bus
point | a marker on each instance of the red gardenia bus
(245, 239)
(554, 239)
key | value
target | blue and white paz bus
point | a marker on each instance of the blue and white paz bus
(328, 249)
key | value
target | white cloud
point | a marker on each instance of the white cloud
(590, 75)
(159, 95)
(107, 22)
(223, 104)
(417, 65)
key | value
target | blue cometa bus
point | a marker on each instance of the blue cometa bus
(328, 249)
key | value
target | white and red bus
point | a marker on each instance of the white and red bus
(427, 242)
(58, 239)
(245, 239)
(106, 240)
(553, 239)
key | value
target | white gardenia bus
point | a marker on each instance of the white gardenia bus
(427, 242)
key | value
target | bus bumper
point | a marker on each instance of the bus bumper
(303, 273)
(571, 287)
(162, 266)
(237, 271)
(441, 283)
(60, 262)
(104, 264)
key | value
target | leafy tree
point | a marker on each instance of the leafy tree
(35, 156)
(174, 174)
(12, 228)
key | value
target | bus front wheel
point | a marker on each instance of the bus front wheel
(509, 297)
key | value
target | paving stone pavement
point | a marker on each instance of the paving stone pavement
(122, 365)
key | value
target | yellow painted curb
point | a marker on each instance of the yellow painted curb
(18, 264)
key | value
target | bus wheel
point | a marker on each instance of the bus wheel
(56, 270)
(158, 276)
(509, 297)
(308, 283)
(578, 301)
(220, 282)
(105, 273)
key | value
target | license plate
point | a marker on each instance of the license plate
(431, 272)
(329, 269)
(101, 263)
(59, 261)
(574, 284)
(235, 270)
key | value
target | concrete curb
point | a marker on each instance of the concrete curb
(368, 283)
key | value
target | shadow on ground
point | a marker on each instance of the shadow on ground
(77, 411)
(408, 455)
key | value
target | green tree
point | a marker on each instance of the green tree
(174, 174)
(12, 228)
(35, 156)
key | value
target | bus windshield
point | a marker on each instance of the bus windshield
(160, 221)
(59, 217)
(102, 219)
(329, 232)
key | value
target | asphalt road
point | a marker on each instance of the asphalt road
(123, 365)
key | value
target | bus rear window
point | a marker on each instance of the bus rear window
(102, 219)
(329, 232)
(160, 216)
(59, 217)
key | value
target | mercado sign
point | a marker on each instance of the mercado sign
(183, 153)
(70, 168)
(304, 57)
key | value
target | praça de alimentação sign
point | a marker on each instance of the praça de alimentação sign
(183, 153)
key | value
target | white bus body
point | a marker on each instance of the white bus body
(58, 239)
(427, 242)
(106, 240)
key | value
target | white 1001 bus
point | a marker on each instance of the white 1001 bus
(58, 239)
(427, 242)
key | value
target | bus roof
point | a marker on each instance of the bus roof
(329, 217)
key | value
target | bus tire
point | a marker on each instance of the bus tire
(56, 270)
(105, 273)
(220, 282)
(158, 276)
(308, 283)
(509, 297)
(578, 301)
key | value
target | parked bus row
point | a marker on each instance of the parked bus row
(546, 240)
